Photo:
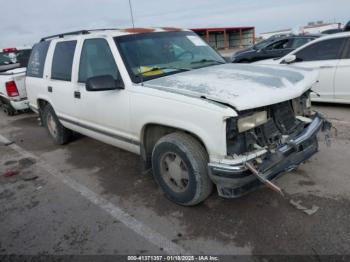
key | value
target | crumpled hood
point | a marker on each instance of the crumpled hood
(242, 86)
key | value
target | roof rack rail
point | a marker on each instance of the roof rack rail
(79, 32)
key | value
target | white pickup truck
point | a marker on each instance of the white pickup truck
(13, 63)
(166, 95)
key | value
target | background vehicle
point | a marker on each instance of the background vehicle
(347, 27)
(168, 96)
(13, 63)
(332, 31)
(331, 56)
(271, 48)
(11, 58)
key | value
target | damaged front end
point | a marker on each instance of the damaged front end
(266, 142)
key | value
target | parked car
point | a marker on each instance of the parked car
(11, 58)
(332, 31)
(347, 27)
(166, 95)
(271, 48)
(330, 55)
(13, 96)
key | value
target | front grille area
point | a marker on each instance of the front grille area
(281, 122)
(284, 117)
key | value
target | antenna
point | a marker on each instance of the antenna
(131, 14)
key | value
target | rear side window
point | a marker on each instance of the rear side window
(324, 50)
(347, 54)
(62, 61)
(97, 60)
(37, 59)
(298, 42)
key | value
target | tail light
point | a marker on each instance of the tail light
(11, 89)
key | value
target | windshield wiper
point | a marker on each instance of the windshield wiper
(207, 61)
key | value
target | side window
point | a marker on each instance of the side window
(96, 60)
(278, 45)
(62, 60)
(37, 59)
(298, 42)
(324, 50)
(347, 54)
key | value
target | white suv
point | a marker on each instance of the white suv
(166, 95)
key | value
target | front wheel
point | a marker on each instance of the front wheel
(179, 165)
(57, 131)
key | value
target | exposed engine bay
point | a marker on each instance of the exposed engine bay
(268, 127)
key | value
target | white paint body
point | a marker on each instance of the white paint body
(333, 81)
(19, 102)
(125, 113)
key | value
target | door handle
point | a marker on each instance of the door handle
(77, 94)
(49, 89)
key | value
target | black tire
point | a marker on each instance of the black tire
(9, 110)
(62, 135)
(194, 157)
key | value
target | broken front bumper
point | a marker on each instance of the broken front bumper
(235, 180)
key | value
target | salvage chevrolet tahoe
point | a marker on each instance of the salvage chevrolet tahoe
(166, 95)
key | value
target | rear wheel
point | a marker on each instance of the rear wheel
(179, 165)
(9, 110)
(58, 132)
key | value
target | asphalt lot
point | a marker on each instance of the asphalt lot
(91, 198)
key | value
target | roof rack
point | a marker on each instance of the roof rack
(79, 32)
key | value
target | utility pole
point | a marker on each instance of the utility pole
(131, 14)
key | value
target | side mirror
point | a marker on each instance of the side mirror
(290, 59)
(103, 83)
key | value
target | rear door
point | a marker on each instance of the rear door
(323, 56)
(342, 75)
(60, 87)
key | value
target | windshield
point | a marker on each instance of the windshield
(152, 55)
(14, 59)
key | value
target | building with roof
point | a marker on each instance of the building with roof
(281, 32)
(318, 27)
(227, 37)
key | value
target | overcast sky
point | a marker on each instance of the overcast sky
(24, 22)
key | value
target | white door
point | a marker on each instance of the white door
(324, 57)
(342, 76)
(60, 87)
(103, 115)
